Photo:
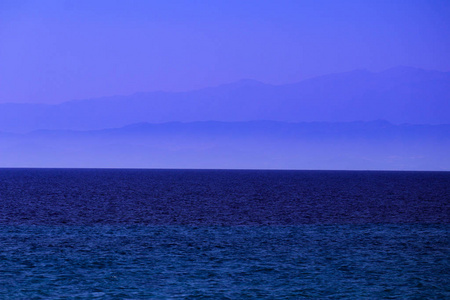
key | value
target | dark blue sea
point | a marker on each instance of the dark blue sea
(223, 234)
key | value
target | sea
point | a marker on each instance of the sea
(223, 234)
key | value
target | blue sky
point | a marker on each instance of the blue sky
(55, 51)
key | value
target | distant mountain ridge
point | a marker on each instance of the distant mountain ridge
(376, 145)
(272, 129)
(398, 95)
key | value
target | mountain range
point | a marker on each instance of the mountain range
(390, 120)
(377, 145)
(399, 95)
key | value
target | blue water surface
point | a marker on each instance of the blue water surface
(178, 234)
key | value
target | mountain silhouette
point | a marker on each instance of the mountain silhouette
(376, 145)
(398, 95)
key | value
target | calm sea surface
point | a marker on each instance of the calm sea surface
(216, 234)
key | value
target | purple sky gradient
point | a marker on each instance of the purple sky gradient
(55, 51)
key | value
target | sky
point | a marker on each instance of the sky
(53, 51)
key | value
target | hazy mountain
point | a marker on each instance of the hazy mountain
(399, 95)
(262, 144)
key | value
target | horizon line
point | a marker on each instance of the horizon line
(216, 169)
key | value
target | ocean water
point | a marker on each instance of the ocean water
(216, 234)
